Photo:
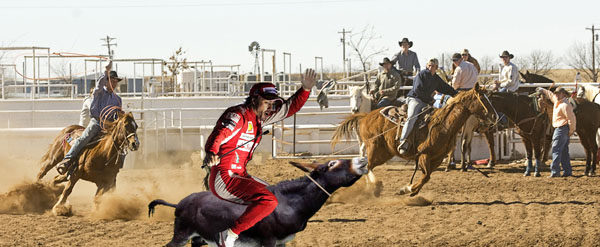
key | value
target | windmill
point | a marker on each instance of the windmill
(254, 49)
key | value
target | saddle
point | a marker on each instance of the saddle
(72, 137)
(399, 114)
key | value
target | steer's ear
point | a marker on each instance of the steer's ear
(306, 167)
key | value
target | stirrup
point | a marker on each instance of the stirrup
(63, 166)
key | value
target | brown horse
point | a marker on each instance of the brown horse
(531, 124)
(587, 115)
(97, 163)
(377, 135)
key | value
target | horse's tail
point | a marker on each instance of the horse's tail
(344, 130)
(153, 204)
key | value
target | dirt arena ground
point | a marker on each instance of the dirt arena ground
(467, 209)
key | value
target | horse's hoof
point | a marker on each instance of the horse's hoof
(490, 166)
(62, 210)
(404, 190)
(593, 174)
(60, 178)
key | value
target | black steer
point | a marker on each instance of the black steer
(202, 216)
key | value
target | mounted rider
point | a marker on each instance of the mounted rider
(421, 95)
(508, 81)
(231, 144)
(104, 106)
(465, 73)
(387, 85)
(466, 56)
(408, 62)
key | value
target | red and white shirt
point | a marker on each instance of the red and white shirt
(239, 124)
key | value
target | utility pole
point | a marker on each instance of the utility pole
(343, 40)
(594, 38)
(108, 44)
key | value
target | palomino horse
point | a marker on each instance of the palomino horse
(531, 124)
(590, 93)
(377, 135)
(587, 115)
(98, 164)
(466, 138)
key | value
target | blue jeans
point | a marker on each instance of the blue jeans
(560, 151)
(414, 107)
(90, 131)
(387, 102)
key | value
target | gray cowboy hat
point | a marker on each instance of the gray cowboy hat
(507, 54)
(405, 40)
(385, 60)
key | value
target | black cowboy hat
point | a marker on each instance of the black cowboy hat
(507, 54)
(385, 60)
(405, 40)
(113, 74)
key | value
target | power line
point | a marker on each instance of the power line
(108, 40)
(594, 38)
(343, 40)
(182, 5)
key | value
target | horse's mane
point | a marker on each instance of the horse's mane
(113, 132)
(442, 116)
(590, 91)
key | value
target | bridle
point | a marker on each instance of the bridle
(122, 150)
(486, 109)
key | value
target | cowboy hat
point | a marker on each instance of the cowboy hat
(507, 54)
(385, 60)
(113, 74)
(465, 52)
(405, 40)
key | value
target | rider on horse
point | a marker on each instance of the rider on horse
(426, 82)
(232, 142)
(105, 103)
(387, 85)
(508, 81)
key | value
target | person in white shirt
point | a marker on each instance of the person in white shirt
(465, 74)
(509, 75)
(84, 116)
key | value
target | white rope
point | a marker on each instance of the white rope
(318, 185)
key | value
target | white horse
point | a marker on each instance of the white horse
(590, 93)
(360, 100)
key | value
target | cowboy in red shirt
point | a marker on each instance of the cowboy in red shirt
(241, 124)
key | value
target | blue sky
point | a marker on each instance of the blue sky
(222, 30)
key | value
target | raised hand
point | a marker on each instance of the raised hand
(309, 80)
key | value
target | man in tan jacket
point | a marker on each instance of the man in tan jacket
(387, 85)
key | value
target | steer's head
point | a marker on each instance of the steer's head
(336, 173)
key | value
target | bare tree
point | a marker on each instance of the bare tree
(579, 57)
(539, 62)
(62, 71)
(486, 63)
(175, 65)
(364, 50)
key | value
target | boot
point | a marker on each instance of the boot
(227, 238)
(63, 166)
